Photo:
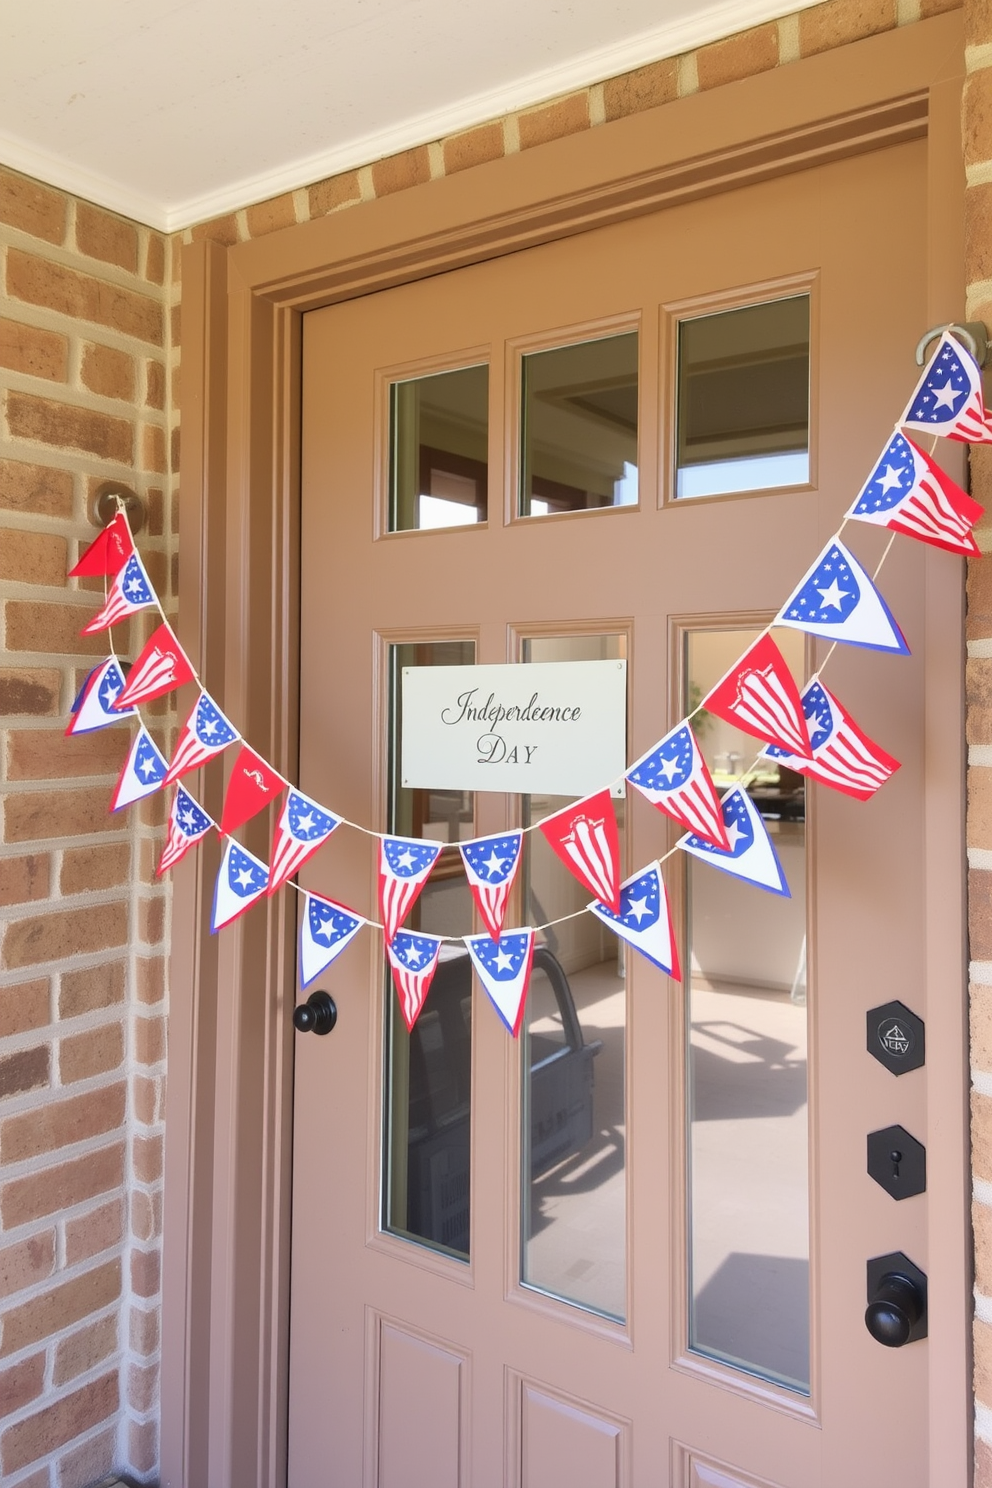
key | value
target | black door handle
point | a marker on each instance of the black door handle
(897, 1305)
(317, 1015)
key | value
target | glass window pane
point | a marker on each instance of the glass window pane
(439, 450)
(579, 427)
(428, 1084)
(743, 399)
(746, 996)
(573, 1114)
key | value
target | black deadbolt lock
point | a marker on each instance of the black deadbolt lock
(317, 1015)
(897, 1300)
(896, 1037)
(897, 1161)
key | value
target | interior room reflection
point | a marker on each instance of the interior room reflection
(439, 450)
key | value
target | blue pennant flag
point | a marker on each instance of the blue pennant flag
(94, 707)
(413, 957)
(751, 854)
(490, 866)
(645, 919)
(242, 879)
(130, 592)
(838, 600)
(503, 968)
(143, 772)
(188, 822)
(325, 929)
(205, 733)
(404, 866)
(948, 398)
(302, 828)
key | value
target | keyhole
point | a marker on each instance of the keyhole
(895, 1157)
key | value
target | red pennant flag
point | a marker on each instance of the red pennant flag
(585, 837)
(107, 553)
(162, 667)
(760, 697)
(253, 784)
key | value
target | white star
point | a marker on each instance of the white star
(134, 586)
(405, 859)
(147, 766)
(891, 480)
(493, 864)
(734, 833)
(639, 909)
(210, 727)
(305, 823)
(187, 819)
(503, 961)
(832, 597)
(244, 877)
(944, 397)
(324, 933)
(669, 768)
(413, 956)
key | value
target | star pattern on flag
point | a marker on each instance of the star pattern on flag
(644, 919)
(130, 592)
(413, 957)
(303, 826)
(326, 928)
(143, 772)
(491, 865)
(96, 705)
(188, 822)
(752, 855)
(838, 600)
(503, 967)
(908, 492)
(948, 399)
(205, 734)
(674, 777)
(404, 866)
(841, 755)
(242, 879)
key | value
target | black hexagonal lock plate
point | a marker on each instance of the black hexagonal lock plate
(897, 1161)
(896, 1037)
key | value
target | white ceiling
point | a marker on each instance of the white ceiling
(171, 111)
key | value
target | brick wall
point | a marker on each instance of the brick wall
(83, 375)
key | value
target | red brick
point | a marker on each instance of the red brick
(565, 116)
(646, 87)
(146, 1269)
(146, 1216)
(25, 1007)
(151, 921)
(93, 1233)
(85, 869)
(155, 259)
(143, 1331)
(107, 371)
(35, 488)
(66, 427)
(38, 281)
(92, 1053)
(739, 56)
(33, 558)
(842, 21)
(269, 216)
(142, 1439)
(84, 1349)
(223, 230)
(150, 978)
(31, 207)
(336, 191)
(59, 1423)
(46, 754)
(154, 395)
(473, 147)
(153, 449)
(57, 1309)
(147, 1159)
(51, 1189)
(30, 692)
(90, 1462)
(142, 1387)
(148, 1099)
(24, 879)
(67, 813)
(22, 1383)
(37, 353)
(978, 231)
(111, 239)
(26, 1263)
(28, 1069)
(979, 622)
(63, 1122)
(66, 932)
(95, 987)
(149, 1040)
(398, 172)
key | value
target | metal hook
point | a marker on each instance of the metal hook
(107, 500)
(973, 333)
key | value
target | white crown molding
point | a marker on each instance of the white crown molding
(708, 25)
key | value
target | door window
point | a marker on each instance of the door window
(439, 450)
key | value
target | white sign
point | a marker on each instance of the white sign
(554, 728)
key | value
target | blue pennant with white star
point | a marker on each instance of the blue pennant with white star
(130, 592)
(645, 919)
(143, 772)
(503, 968)
(751, 854)
(325, 929)
(674, 777)
(838, 600)
(490, 866)
(302, 828)
(188, 823)
(413, 958)
(948, 398)
(242, 880)
(205, 733)
(404, 867)
(94, 706)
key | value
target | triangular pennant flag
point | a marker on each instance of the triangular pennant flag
(908, 492)
(404, 867)
(253, 784)
(838, 600)
(751, 854)
(242, 880)
(143, 772)
(161, 667)
(302, 828)
(948, 399)
(95, 707)
(205, 733)
(130, 593)
(413, 958)
(759, 695)
(503, 968)
(325, 929)
(188, 822)
(841, 755)
(585, 837)
(675, 778)
(645, 919)
(491, 865)
(108, 552)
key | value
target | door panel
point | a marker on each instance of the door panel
(615, 1398)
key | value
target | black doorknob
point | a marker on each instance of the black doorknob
(896, 1307)
(317, 1015)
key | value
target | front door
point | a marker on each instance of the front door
(627, 1248)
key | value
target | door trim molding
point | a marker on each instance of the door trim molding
(229, 1103)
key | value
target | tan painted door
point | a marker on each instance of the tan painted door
(674, 1291)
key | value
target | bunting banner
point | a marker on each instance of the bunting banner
(585, 838)
(674, 777)
(252, 785)
(491, 865)
(404, 867)
(759, 696)
(96, 705)
(107, 553)
(325, 929)
(838, 600)
(188, 824)
(752, 855)
(242, 880)
(908, 492)
(503, 967)
(948, 399)
(644, 919)
(205, 734)
(840, 755)
(302, 828)
(130, 593)
(143, 772)
(413, 959)
(161, 667)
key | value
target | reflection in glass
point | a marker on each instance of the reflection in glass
(573, 1113)
(439, 450)
(579, 427)
(746, 996)
(428, 1085)
(743, 399)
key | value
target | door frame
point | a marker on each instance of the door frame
(229, 1101)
